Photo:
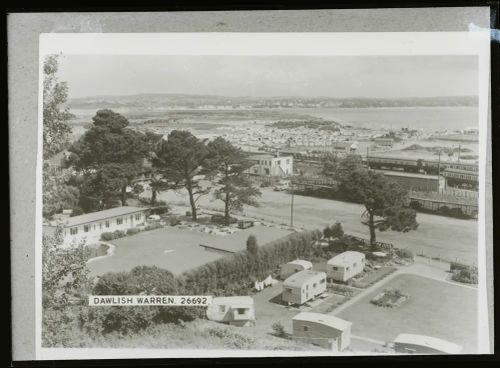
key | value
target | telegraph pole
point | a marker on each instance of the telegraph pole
(439, 169)
(291, 206)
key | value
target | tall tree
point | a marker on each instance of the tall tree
(58, 195)
(383, 200)
(56, 130)
(181, 161)
(110, 156)
(234, 188)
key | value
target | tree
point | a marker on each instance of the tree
(58, 195)
(227, 165)
(181, 159)
(252, 246)
(383, 200)
(110, 156)
(65, 275)
(56, 130)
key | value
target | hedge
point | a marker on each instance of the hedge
(232, 274)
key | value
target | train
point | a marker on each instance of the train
(418, 165)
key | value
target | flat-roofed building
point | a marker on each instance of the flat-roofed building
(323, 330)
(345, 265)
(233, 310)
(421, 344)
(415, 181)
(303, 286)
(295, 266)
(89, 227)
(271, 165)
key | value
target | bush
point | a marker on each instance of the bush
(221, 220)
(279, 330)
(118, 234)
(334, 231)
(160, 210)
(153, 226)
(174, 221)
(132, 231)
(404, 253)
(107, 236)
(467, 276)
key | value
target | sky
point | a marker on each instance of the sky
(265, 76)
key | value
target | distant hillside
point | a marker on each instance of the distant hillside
(163, 101)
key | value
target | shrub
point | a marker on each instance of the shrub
(160, 210)
(132, 231)
(252, 246)
(334, 231)
(221, 220)
(107, 236)
(153, 226)
(174, 221)
(279, 330)
(467, 276)
(404, 253)
(118, 234)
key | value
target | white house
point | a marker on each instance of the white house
(89, 227)
(292, 267)
(271, 165)
(303, 286)
(322, 330)
(421, 344)
(234, 310)
(345, 265)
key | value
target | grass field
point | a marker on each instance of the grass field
(435, 308)
(176, 250)
(446, 237)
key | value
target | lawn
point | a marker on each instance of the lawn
(435, 308)
(174, 249)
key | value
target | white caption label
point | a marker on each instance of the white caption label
(150, 300)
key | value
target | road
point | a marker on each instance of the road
(436, 236)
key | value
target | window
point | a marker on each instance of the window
(306, 328)
(335, 268)
(119, 221)
(100, 225)
(222, 308)
(314, 285)
(241, 310)
(73, 231)
(137, 216)
(86, 228)
(322, 281)
(107, 223)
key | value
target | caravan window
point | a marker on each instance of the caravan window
(306, 328)
(222, 308)
(241, 310)
(322, 281)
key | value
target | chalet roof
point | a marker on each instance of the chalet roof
(429, 341)
(101, 215)
(346, 258)
(300, 262)
(326, 319)
(301, 277)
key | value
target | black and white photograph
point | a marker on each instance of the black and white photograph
(256, 200)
